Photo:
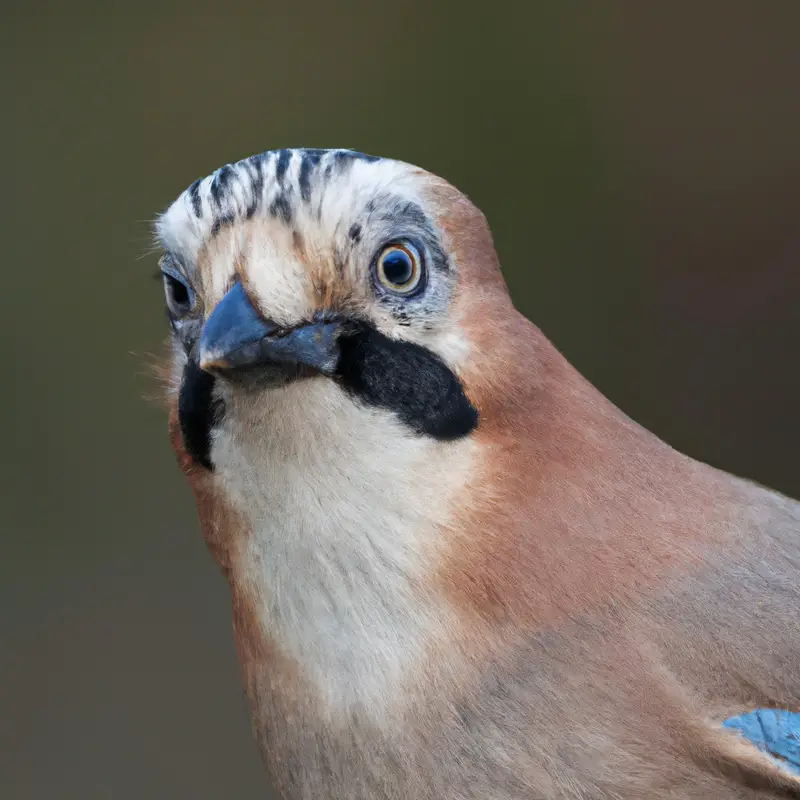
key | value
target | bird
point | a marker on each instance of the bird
(457, 570)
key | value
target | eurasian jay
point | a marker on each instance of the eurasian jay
(457, 570)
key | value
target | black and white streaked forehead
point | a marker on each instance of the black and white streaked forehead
(339, 194)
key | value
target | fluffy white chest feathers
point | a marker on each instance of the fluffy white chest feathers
(348, 513)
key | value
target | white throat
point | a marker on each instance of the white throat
(349, 512)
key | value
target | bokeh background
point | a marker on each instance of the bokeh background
(639, 163)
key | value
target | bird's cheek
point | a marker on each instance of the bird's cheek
(221, 526)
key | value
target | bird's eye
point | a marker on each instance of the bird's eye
(399, 268)
(179, 297)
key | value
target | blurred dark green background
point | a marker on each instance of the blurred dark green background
(639, 163)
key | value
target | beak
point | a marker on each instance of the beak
(236, 336)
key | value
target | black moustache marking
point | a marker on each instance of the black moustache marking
(409, 380)
(401, 377)
(198, 412)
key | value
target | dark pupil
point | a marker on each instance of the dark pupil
(397, 267)
(177, 291)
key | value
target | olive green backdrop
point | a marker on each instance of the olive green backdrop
(639, 163)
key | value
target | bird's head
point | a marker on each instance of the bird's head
(348, 389)
(340, 329)
(367, 279)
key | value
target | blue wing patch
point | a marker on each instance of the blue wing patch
(774, 732)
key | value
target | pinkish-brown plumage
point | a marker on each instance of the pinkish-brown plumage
(555, 604)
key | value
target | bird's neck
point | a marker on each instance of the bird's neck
(347, 516)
